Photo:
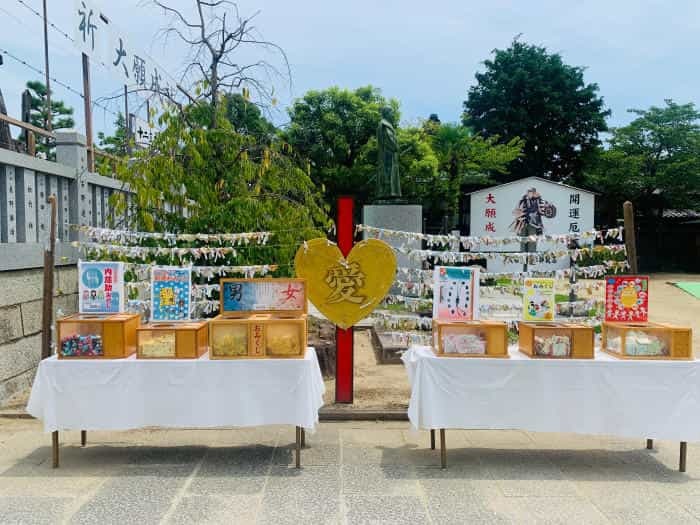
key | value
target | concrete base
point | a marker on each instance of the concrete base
(403, 217)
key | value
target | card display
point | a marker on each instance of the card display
(100, 287)
(171, 288)
(263, 295)
(455, 293)
(627, 298)
(538, 299)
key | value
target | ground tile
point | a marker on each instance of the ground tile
(32, 509)
(450, 508)
(206, 510)
(633, 507)
(232, 470)
(313, 454)
(384, 510)
(381, 480)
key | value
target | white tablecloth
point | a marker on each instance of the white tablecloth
(641, 399)
(132, 393)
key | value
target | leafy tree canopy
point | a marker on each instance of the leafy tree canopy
(653, 162)
(529, 93)
(61, 115)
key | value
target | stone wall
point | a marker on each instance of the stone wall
(20, 322)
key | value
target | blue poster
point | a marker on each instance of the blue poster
(100, 287)
(171, 288)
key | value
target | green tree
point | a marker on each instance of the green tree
(529, 93)
(115, 144)
(228, 182)
(653, 162)
(61, 115)
(332, 128)
(246, 117)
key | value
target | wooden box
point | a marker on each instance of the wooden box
(470, 338)
(556, 340)
(283, 297)
(647, 341)
(257, 336)
(172, 340)
(86, 336)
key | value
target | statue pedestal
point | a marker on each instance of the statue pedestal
(403, 217)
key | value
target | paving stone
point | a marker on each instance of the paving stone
(635, 507)
(233, 470)
(448, 509)
(138, 495)
(387, 510)
(205, 510)
(313, 454)
(550, 510)
(32, 509)
(375, 479)
(307, 495)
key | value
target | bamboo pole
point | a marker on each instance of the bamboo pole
(49, 261)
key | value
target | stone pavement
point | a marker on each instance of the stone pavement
(353, 473)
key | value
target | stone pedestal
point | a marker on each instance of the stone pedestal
(403, 217)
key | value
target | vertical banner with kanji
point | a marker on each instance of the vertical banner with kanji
(100, 287)
(171, 288)
(455, 293)
(538, 299)
(627, 298)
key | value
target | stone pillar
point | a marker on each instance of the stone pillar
(71, 151)
(403, 217)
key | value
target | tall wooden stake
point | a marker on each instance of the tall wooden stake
(88, 113)
(127, 125)
(344, 359)
(630, 236)
(49, 261)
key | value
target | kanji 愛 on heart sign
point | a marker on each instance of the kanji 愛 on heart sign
(346, 290)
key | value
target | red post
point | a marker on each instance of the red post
(344, 338)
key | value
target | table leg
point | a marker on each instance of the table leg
(443, 449)
(650, 444)
(303, 437)
(432, 439)
(54, 447)
(83, 437)
(298, 448)
(684, 456)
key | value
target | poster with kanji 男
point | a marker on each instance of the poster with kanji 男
(627, 298)
(171, 288)
(455, 293)
(100, 287)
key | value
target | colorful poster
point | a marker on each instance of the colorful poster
(627, 298)
(171, 288)
(538, 299)
(455, 293)
(100, 287)
(283, 295)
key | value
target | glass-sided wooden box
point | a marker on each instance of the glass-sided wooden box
(257, 336)
(647, 341)
(470, 338)
(556, 340)
(86, 336)
(173, 340)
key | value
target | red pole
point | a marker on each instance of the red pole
(344, 338)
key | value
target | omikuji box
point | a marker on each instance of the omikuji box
(85, 336)
(257, 336)
(283, 297)
(470, 338)
(173, 340)
(647, 341)
(556, 340)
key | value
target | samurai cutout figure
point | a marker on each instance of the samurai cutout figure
(528, 217)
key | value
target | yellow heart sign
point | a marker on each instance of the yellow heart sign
(346, 290)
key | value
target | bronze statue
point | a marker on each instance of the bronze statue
(388, 182)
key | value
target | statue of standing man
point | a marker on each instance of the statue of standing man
(388, 182)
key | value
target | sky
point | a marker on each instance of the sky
(425, 54)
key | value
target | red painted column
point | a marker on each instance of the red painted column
(344, 338)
